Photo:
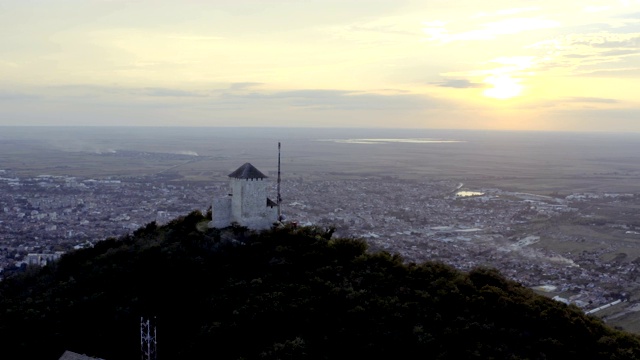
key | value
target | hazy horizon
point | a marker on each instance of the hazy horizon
(320, 127)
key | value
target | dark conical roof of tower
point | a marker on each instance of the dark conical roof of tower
(247, 171)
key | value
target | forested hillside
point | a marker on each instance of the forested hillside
(288, 293)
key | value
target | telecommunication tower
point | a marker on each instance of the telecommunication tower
(148, 342)
(279, 199)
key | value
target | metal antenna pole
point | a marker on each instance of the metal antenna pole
(279, 198)
(148, 342)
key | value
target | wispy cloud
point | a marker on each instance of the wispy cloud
(230, 97)
(606, 40)
(458, 84)
(99, 93)
(194, 37)
(627, 73)
(437, 31)
(385, 31)
(327, 99)
(577, 54)
(6, 95)
(166, 92)
(630, 16)
(595, 9)
(11, 64)
(579, 99)
(506, 12)
(243, 85)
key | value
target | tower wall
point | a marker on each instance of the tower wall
(221, 212)
(249, 198)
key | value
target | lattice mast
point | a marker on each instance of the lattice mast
(148, 341)
(279, 197)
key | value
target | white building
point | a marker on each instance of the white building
(247, 204)
(42, 259)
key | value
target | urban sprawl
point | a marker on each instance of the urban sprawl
(45, 216)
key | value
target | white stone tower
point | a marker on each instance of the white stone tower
(248, 204)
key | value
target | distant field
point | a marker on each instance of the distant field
(540, 163)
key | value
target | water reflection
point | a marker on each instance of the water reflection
(469, 193)
(386, 141)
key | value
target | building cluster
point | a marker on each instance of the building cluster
(438, 220)
(48, 214)
(421, 220)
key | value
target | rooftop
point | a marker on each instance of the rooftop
(247, 171)
(70, 355)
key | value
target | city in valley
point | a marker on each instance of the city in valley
(555, 212)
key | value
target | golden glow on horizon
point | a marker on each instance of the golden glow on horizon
(504, 87)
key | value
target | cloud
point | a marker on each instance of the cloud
(7, 95)
(629, 72)
(381, 29)
(630, 16)
(576, 56)
(606, 40)
(170, 92)
(195, 37)
(333, 99)
(385, 31)
(458, 84)
(102, 91)
(232, 99)
(595, 9)
(590, 53)
(243, 85)
(83, 91)
(570, 103)
(621, 52)
(579, 99)
(436, 31)
(506, 12)
(9, 64)
(164, 106)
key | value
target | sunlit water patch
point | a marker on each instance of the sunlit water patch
(469, 193)
(388, 141)
(187, 152)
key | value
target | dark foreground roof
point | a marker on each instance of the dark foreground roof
(247, 171)
(70, 355)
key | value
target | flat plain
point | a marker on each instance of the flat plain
(540, 163)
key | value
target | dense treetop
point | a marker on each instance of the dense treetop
(287, 293)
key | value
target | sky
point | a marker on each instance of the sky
(444, 64)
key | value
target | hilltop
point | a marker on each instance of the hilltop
(288, 292)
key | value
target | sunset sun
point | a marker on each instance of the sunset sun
(502, 87)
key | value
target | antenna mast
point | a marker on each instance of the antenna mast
(279, 200)
(148, 343)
